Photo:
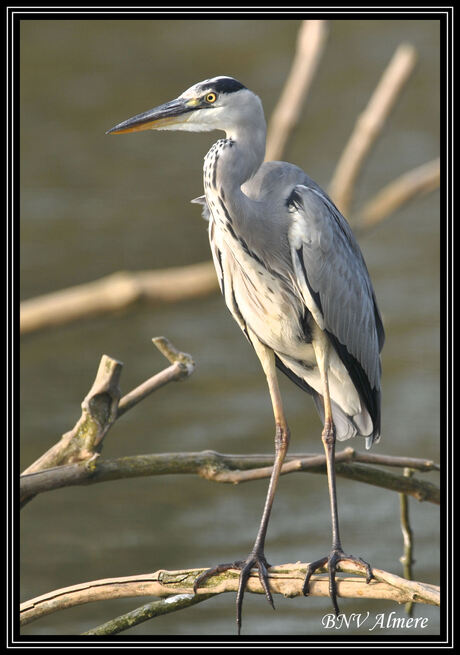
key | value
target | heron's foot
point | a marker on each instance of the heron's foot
(255, 560)
(336, 555)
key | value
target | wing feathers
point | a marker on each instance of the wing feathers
(333, 279)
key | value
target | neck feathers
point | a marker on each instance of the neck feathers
(232, 161)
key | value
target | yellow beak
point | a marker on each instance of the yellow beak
(168, 114)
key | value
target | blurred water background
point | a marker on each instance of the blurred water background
(93, 204)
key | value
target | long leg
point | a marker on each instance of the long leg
(328, 439)
(321, 347)
(257, 556)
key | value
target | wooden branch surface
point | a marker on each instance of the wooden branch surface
(286, 579)
(219, 467)
(100, 408)
(99, 411)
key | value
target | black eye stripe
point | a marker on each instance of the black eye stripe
(224, 85)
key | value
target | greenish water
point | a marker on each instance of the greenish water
(93, 204)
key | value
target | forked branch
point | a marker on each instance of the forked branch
(100, 409)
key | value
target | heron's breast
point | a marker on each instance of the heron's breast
(261, 297)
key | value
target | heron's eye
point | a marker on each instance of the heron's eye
(211, 97)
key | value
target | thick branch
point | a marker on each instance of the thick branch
(286, 579)
(369, 125)
(117, 291)
(218, 467)
(99, 411)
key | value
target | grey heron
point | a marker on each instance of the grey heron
(295, 281)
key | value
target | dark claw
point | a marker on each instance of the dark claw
(263, 578)
(334, 558)
(220, 568)
(245, 566)
(312, 567)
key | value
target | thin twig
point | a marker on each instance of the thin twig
(286, 115)
(390, 460)
(352, 471)
(286, 579)
(369, 125)
(182, 365)
(407, 558)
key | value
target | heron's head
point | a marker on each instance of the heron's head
(221, 103)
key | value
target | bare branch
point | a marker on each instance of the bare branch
(369, 125)
(407, 559)
(148, 611)
(359, 472)
(286, 115)
(390, 460)
(420, 180)
(234, 469)
(286, 579)
(117, 291)
(182, 366)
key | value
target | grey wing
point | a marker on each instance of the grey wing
(333, 280)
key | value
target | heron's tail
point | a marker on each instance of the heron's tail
(346, 426)
(349, 426)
